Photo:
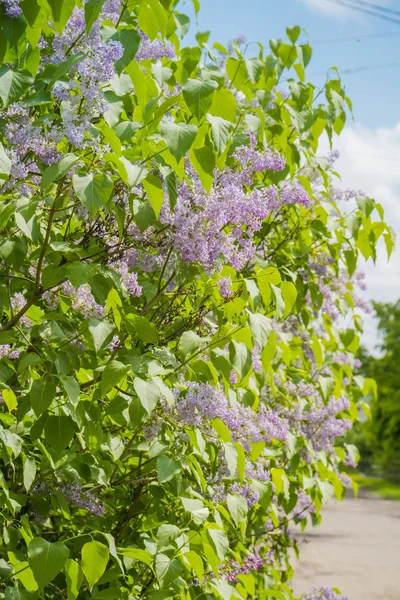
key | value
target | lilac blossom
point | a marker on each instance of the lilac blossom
(225, 288)
(208, 226)
(155, 50)
(17, 302)
(81, 498)
(323, 593)
(12, 8)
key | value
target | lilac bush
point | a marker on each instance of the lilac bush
(175, 256)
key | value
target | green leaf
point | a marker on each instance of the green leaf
(79, 273)
(59, 431)
(112, 374)
(327, 386)
(142, 328)
(13, 84)
(198, 95)
(260, 327)
(19, 593)
(155, 192)
(240, 357)
(94, 191)
(58, 170)
(137, 554)
(366, 205)
(130, 40)
(178, 136)
(74, 577)
(293, 33)
(42, 395)
(92, 12)
(94, 561)
(167, 468)
(61, 11)
(190, 342)
(289, 295)
(5, 163)
(238, 508)
(224, 105)
(65, 67)
(167, 570)
(132, 174)
(219, 541)
(269, 351)
(100, 332)
(10, 399)
(203, 161)
(221, 132)
(46, 559)
(148, 393)
(29, 473)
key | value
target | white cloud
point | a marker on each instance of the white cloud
(327, 7)
(370, 161)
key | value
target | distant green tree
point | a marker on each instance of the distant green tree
(380, 437)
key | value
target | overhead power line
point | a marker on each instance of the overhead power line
(368, 11)
(357, 38)
(378, 7)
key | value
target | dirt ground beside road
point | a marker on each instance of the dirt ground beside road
(356, 548)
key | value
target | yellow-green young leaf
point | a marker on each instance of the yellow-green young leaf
(224, 105)
(260, 327)
(269, 351)
(222, 430)
(46, 560)
(137, 554)
(289, 295)
(203, 161)
(24, 574)
(74, 577)
(194, 561)
(155, 192)
(94, 561)
(10, 399)
(277, 476)
(190, 342)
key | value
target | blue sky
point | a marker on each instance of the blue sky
(375, 93)
(370, 145)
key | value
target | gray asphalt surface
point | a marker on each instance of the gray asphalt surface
(356, 548)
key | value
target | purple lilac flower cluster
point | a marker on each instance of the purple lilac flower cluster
(81, 498)
(323, 593)
(202, 403)
(155, 50)
(12, 8)
(5, 351)
(207, 226)
(224, 285)
(320, 423)
(232, 569)
(17, 302)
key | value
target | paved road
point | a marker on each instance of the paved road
(356, 548)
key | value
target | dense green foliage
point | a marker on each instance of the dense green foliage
(379, 437)
(174, 260)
